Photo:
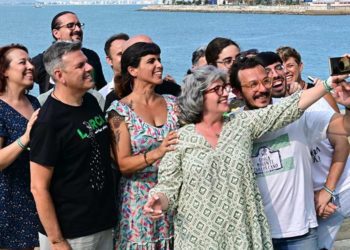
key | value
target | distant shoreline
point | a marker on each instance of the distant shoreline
(258, 9)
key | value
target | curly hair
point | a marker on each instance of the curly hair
(191, 99)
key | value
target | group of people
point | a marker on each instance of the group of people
(243, 155)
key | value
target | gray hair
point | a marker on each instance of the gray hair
(197, 54)
(53, 55)
(191, 99)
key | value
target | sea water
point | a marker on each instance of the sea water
(179, 34)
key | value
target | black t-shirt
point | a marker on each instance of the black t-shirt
(75, 141)
(42, 78)
(168, 88)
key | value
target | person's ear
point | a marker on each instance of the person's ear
(132, 71)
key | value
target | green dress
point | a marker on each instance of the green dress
(213, 190)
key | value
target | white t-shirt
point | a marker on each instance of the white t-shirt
(282, 163)
(321, 161)
(107, 88)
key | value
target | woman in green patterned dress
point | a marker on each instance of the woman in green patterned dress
(208, 179)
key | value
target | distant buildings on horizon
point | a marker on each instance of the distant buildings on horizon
(42, 3)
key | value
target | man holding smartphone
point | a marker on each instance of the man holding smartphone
(282, 160)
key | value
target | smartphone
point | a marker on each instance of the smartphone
(312, 79)
(339, 65)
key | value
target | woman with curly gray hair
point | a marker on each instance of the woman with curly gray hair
(208, 178)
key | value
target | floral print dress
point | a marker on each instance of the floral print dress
(134, 229)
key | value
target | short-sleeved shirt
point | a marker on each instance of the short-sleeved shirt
(75, 142)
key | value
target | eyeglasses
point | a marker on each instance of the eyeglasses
(72, 26)
(266, 82)
(278, 67)
(227, 62)
(219, 89)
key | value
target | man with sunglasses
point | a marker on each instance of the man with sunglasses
(281, 159)
(65, 26)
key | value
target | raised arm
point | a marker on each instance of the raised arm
(121, 146)
(10, 153)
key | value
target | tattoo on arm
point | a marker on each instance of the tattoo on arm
(114, 121)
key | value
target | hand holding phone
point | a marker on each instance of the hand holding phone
(339, 65)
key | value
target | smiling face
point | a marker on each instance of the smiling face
(76, 72)
(216, 98)
(276, 72)
(63, 32)
(20, 70)
(256, 87)
(150, 70)
(293, 70)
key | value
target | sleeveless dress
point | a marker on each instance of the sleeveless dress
(18, 216)
(134, 229)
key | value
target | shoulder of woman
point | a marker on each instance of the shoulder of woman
(120, 107)
(170, 98)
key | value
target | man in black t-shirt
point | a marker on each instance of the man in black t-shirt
(65, 26)
(71, 178)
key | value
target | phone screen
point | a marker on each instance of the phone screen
(339, 65)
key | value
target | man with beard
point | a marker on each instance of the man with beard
(281, 159)
(65, 26)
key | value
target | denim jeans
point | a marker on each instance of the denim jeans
(97, 241)
(307, 241)
(328, 228)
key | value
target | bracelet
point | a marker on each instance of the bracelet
(57, 241)
(19, 142)
(327, 84)
(145, 158)
(329, 191)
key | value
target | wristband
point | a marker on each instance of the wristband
(57, 241)
(327, 84)
(329, 191)
(145, 158)
(19, 142)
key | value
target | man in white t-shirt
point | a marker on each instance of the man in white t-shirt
(282, 160)
(328, 156)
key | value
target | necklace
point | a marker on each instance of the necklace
(58, 99)
(209, 129)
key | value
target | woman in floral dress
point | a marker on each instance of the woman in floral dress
(142, 125)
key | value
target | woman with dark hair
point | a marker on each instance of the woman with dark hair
(142, 125)
(18, 217)
(221, 53)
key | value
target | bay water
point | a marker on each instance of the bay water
(178, 34)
